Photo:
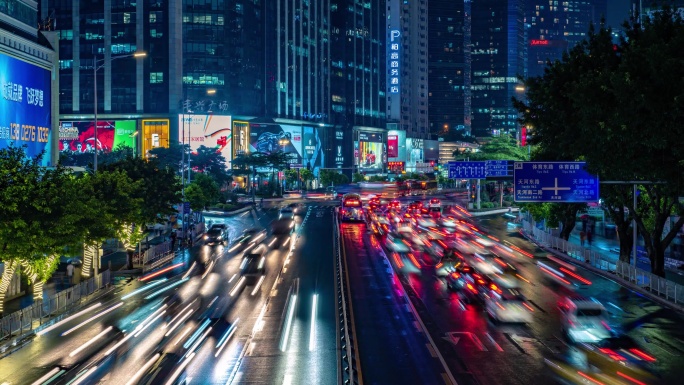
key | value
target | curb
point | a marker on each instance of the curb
(608, 275)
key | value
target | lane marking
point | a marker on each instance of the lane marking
(431, 350)
(496, 345)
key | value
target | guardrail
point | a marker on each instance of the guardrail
(574, 251)
(669, 290)
(160, 261)
(40, 312)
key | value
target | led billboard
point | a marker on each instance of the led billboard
(80, 136)
(370, 151)
(213, 131)
(25, 107)
(155, 134)
(314, 156)
(273, 137)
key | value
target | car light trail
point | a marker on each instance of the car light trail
(144, 288)
(243, 264)
(290, 315)
(92, 341)
(232, 278)
(414, 261)
(234, 247)
(569, 266)
(78, 380)
(187, 330)
(156, 293)
(576, 276)
(150, 323)
(197, 343)
(53, 326)
(184, 316)
(180, 369)
(287, 242)
(196, 334)
(141, 371)
(590, 378)
(46, 377)
(642, 355)
(258, 285)
(160, 272)
(116, 346)
(522, 278)
(100, 314)
(226, 337)
(259, 324)
(211, 265)
(555, 275)
(272, 242)
(262, 261)
(626, 377)
(312, 333)
(187, 273)
(528, 307)
(237, 286)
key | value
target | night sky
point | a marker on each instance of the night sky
(618, 11)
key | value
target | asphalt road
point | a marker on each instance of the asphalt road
(250, 335)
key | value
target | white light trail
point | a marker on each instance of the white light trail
(92, 341)
(259, 324)
(312, 334)
(180, 369)
(82, 378)
(180, 322)
(226, 337)
(46, 377)
(149, 323)
(41, 332)
(237, 286)
(234, 247)
(258, 285)
(290, 315)
(141, 371)
(156, 293)
(211, 265)
(144, 288)
(100, 314)
(272, 242)
(194, 336)
(187, 273)
(180, 338)
(232, 278)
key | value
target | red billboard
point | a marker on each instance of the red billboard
(523, 136)
(392, 146)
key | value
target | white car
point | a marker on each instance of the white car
(508, 305)
(584, 319)
(286, 212)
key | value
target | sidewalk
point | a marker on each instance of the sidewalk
(59, 280)
(609, 249)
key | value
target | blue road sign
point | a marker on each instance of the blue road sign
(467, 170)
(498, 168)
(554, 182)
(186, 207)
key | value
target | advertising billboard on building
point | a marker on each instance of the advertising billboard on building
(155, 134)
(80, 136)
(396, 138)
(370, 151)
(414, 153)
(312, 146)
(25, 107)
(240, 137)
(273, 137)
(213, 131)
(392, 145)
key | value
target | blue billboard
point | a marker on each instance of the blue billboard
(554, 182)
(25, 107)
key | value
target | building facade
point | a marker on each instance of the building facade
(407, 72)
(498, 49)
(29, 95)
(448, 66)
(554, 28)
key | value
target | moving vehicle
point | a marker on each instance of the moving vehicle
(584, 319)
(352, 208)
(297, 208)
(216, 235)
(253, 268)
(165, 370)
(248, 239)
(508, 305)
(286, 212)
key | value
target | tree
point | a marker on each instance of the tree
(358, 177)
(291, 176)
(170, 157)
(501, 147)
(608, 94)
(332, 177)
(211, 162)
(306, 176)
(202, 192)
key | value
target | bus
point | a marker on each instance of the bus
(352, 208)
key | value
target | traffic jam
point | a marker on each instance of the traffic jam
(424, 237)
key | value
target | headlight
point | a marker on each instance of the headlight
(206, 237)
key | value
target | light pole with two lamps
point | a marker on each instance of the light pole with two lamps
(96, 68)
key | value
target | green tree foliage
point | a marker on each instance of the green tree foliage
(211, 162)
(202, 192)
(619, 108)
(306, 176)
(332, 178)
(86, 159)
(498, 148)
(158, 188)
(170, 157)
(291, 176)
(358, 177)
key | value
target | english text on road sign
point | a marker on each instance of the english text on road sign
(467, 170)
(554, 182)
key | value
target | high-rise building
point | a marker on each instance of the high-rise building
(407, 67)
(553, 28)
(28, 91)
(449, 87)
(498, 52)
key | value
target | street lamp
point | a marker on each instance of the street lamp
(96, 68)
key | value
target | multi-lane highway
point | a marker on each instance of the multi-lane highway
(204, 320)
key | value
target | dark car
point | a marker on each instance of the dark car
(253, 268)
(164, 369)
(248, 239)
(216, 235)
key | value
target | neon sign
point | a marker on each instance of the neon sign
(393, 61)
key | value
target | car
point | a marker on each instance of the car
(222, 226)
(395, 205)
(297, 208)
(508, 305)
(286, 212)
(283, 226)
(216, 235)
(253, 267)
(248, 239)
(165, 370)
(619, 353)
(435, 203)
(584, 319)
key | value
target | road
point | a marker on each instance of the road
(222, 329)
